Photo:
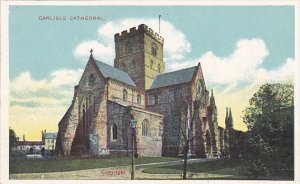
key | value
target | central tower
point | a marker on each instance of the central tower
(139, 52)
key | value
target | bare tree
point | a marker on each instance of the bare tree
(189, 121)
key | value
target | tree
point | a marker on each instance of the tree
(270, 121)
(188, 112)
(12, 139)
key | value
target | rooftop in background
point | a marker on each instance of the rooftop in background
(49, 135)
(173, 78)
(22, 143)
(109, 71)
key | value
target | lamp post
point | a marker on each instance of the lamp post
(132, 126)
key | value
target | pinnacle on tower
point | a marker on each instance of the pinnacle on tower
(226, 112)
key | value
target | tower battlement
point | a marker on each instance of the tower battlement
(142, 28)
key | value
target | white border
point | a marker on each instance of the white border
(4, 85)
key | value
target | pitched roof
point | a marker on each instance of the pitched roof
(172, 78)
(50, 135)
(109, 71)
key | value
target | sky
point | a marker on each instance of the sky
(239, 48)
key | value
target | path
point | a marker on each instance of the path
(119, 173)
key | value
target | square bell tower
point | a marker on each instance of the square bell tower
(139, 52)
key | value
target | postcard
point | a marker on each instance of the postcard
(106, 91)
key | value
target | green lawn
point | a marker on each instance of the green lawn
(41, 166)
(210, 166)
(232, 168)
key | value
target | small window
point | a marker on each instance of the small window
(128, 47)
(145, 128)
(114, 132)
(125, 94)
(160, 129)
(154, 49)
(139, 100)
(151, 64)
(133, 63)
(152, 99)
(159, 69)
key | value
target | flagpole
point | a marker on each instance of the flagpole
(159, 23)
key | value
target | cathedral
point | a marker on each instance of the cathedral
(164, 105)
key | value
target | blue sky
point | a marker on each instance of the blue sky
(239, 48)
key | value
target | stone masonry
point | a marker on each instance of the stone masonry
(107, 98)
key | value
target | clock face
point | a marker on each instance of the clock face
(91, 80)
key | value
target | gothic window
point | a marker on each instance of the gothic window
(159, 69)
(114, 132)
(154, 49)
(199, 88)
(145, 128)
(128, 47)
(91, 80)
(139, 100)
(91, 102)
(160, 129)
(133, 63)
(151, 64)
(152, 99)
(83, 118)
(125, 93)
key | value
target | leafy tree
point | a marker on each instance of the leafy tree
(270, 121)
(12, 139)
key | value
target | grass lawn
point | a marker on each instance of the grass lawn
(219, 167)
(209, 166)
(41, 166)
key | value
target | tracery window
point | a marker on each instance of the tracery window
(145, 128)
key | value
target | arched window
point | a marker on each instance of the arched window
(139, 100)
(160, 129)
(125, 94)
(91, 102)
(154, 49)
(83, 118)
(114, 132)
(133, 63)
(145, 128)
(159, 69)
(128, 47)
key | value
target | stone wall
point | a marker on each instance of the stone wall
(120, 116)
(115, 94)
(149, 145)
(134, 54)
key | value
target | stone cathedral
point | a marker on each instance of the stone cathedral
(108, 97)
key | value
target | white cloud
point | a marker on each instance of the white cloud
(57, 87)
(241, 65)
(65, 77)
(24, 82)
(237, 77)
(102, 51)
(175, 43)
